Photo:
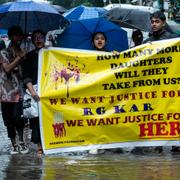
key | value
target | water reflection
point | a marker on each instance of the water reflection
(114, 167)
(85, 167)
(23, 167)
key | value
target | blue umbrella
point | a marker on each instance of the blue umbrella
(79, 35)
(30, 15)
(3, 31)
(83, 12)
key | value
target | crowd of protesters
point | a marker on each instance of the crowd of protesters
(19, 68)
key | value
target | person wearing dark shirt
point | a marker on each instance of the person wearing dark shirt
(30, 76)
(2, 44)
(158, 22)
(137, 37)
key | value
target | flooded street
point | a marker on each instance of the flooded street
(82, 166)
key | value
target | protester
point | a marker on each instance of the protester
(158, 22)
(99, 41)
(30, 75)
(137, 37)
(27, 43)
(2, 44)
(51, 41)
(11, 89)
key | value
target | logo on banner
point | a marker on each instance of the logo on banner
(58, 126)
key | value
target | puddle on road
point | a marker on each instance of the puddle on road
(91, 167)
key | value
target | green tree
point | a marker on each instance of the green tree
(66, 3)
(81, 2)
(4, 1)
(98, 3)
(73, 3)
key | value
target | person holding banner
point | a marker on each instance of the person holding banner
(158, 22)
(99, 41)
(30, 75)
(11, 90)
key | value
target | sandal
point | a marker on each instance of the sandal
(175, 149)
(39, 149)
(39, 152)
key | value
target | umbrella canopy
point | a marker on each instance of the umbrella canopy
(30, 15)
(173, 27)
(79, 35)
(83, 12)
(130, 18)
(3, 31)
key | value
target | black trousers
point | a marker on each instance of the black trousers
(12, 117)
(34, 125)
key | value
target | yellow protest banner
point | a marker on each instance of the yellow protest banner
(108, 100)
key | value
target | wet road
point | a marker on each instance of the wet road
(108, 166)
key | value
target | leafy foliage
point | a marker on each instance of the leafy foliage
(3, 1)
(72, 3)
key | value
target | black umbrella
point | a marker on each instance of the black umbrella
(31, 15)
(173, 27)
(130, 18)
